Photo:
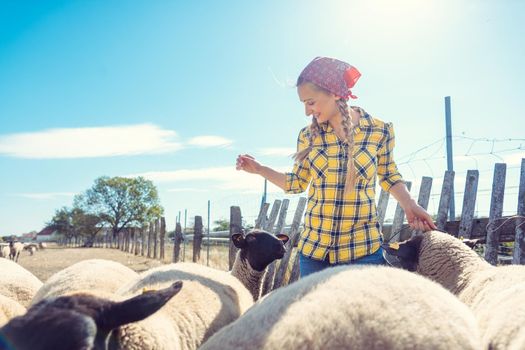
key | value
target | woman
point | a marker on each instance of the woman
(341, 224)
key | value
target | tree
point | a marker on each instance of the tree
(121, 202)
(221, 225)
(62, 222)
(76, 222)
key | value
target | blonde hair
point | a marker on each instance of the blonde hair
(348, 128)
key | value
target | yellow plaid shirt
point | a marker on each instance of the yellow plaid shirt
(344, 227)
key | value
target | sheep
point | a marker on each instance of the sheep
(93, 274)
(81, 320)
(257, 250)
(101, 278)
(17, 283)
(9, 308)
(347, 307)
(495, 294)
(31, 249)
(5, 251)
(212, 298)
(16, 249)
(42, 245)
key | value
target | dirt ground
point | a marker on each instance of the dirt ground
(46, 262)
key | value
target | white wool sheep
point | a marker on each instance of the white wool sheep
(345, 307)
(85, 320)
(4, 250)
(9, 309)
(209, 300)
(16, 249)
(17, 283)
(495, 294)
(93, 274)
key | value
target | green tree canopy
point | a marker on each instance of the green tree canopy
(76, 222)
(221, 225)
(121, 202)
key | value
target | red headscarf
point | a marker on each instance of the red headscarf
(333, 75)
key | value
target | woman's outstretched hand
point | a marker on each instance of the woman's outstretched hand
(247, 163)
(418, 218)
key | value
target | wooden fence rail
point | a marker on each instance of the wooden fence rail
(150, 240)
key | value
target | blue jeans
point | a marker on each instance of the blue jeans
(308, 266)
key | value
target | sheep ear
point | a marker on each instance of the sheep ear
(406, 250)
(238, 240)
(282, 237)
(471, 243)
(136, 308)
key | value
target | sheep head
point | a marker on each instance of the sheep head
(260, 247)
(80, 320)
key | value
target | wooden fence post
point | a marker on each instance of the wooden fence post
(444, 201)
(261, 218)
(496, 210)
(469, 204)
(519, 235)
(150, 239)
(422, 199)
(143, 239)
(136, 241)
(177, 242)
(162, 236)
(381, 206)
(268, 224)
(399, 217)
(197, 238)
(267, 284)
(235, 227)
(156, 239)
(292, 242)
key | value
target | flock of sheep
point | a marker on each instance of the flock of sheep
(444, 297)
(13, 249)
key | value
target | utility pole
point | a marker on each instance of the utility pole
(450, 160)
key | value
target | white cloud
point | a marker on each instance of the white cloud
(277, 151)
(45, 196)
(215, 178)
(90, 142)
(210, 141)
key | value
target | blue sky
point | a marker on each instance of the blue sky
(174, 90)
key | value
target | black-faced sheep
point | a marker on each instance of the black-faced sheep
(495, 294)
(345, 307)
(211, 298)
(79, 321)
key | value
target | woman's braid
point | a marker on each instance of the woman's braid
(348, 128)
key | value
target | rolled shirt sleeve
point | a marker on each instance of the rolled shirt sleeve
(298, 179)
(387, 171)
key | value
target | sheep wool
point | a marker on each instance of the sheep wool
(250, 278)
(496, 295)
(17, 283)
(346, 307)
(93, 274)
(9, 309)
(209, 300)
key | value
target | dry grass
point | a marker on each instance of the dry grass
(46, 262)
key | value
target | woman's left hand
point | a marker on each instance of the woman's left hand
(418, 218)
